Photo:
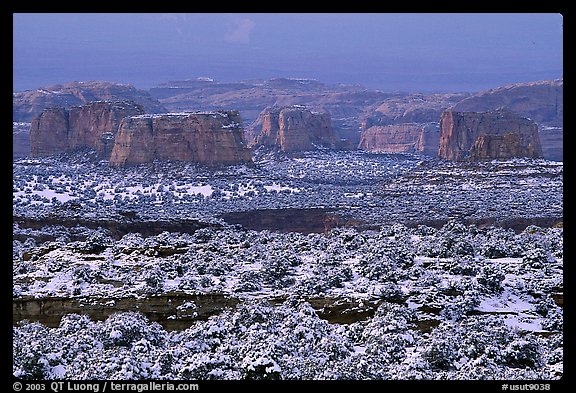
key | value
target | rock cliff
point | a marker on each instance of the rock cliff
(49, 132)
(27, 105)
(204, 137)
(487, 135)
(540, 101)
(293, 128)
(401, 138)
(57, 130)
(413, 108)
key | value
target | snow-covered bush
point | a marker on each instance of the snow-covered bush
(490, 277)
(554, 320)
(128, 328)
(154, 278)
(96, 243)
(537, 258)
(464, 265)
(497, 243)
(457, 308)
(249, 281)
(523, 352)
(31, 349)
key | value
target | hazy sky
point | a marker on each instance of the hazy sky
(410, 52)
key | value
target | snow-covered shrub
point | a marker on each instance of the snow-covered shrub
(17, 250)
(128, 243)
(125, 329)
(350, 239)
(83, 274)
(377, 266)
(204, 235)
(457, 308)
(440, 352)
(274, 271)
(490, 277)
(207, 263)
(554, 320)
(249, 281)
(555, 237)
(154, 278)
(523, 352)
(537, 258)
(391, 292)
(96, 243)
(497, 243)
(424, 230)
(454, 239)
(31, 349)
(260, 367)
(544, 305)
(464, 265)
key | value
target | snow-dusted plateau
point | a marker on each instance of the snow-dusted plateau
(314, 265)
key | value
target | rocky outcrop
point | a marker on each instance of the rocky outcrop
(345, 103)
(413, 108)
(49, 133)
(27, 105)
(487, 135)
(401, 138)
(541, 101)
(293, 128)
(93, 125)
(204, 137)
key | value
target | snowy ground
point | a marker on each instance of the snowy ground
(459, 302)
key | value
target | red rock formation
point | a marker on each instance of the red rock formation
(293, 128)
(541, 101)
(94, 125)
(49, 132)
(29, 104)
(204, 137)
(487, 135)
(401, 138)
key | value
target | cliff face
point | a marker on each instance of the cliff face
(49, 132)
(541, 101)
(94, 125)
(413, 108)
(487, 135)
(204, 137)
(293, 128)
(29, 104)
(401, 138)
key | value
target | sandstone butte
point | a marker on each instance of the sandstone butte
(401, 138)
(210, 138)
(293, 128)
(487, 135)
(121, 132)
(58, 130)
